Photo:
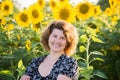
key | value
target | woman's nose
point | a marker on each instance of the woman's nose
(58, 40)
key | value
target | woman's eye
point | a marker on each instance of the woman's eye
(54, 36)
(63, 38)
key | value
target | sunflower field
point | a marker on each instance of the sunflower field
(98, 25)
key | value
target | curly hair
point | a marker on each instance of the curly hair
(69, 31)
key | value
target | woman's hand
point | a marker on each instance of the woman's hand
(63, 77)
(25, 77)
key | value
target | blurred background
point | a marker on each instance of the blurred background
(97, 22)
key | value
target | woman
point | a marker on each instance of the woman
(60, 39)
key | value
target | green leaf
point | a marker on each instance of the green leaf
(101, 74)
(83, 38)
(87, 72)
(82, 48)
(76, 56)
(83, 79)
(8, 57)
(8, 72)
(96, 53)
(6, 77)
(95, 39)
(20, 65)
(99, 59)
(90, 67)
(82, 64)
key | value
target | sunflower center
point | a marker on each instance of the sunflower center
(108, 11)
(53, 4)
(0, 7)
(62, 0)
(24, 17)
(0, 21)
(40, 2)
(92, 25)
(37, 25)
(35, 13)
(112, 2)
(95, 11)
(84, 8)
(64, 14)
(6, 7)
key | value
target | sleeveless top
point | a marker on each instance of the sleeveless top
(64, 65)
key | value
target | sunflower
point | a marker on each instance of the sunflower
(97, 10)
(93, 27)
(63, 1)
(9, 27)
(18, 36)
(35, 14)
(1, 11)
(108, 11)
(84, 10)
(28, 44)
(2, 21)
(64, 12)
(115, 10)
(23, 19)
(53, 4)
(36, 27)
(112, 3)
(0, 8)
(7, 7)
(40, 3)
(118, 2)
(118, 9)
(114, 20)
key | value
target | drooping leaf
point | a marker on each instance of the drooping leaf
(101, 74)
(99, 59)
(6, 72)
(96, 53)
(95, 39)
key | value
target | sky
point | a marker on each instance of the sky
(25, 3)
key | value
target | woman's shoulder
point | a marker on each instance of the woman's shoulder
(38, 59)
(69, 62)
(69, 59)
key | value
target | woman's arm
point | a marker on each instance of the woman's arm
(25, 77)
(63, 77)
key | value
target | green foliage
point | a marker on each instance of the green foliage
(97, 51)
(20, 69)
(14, 56)
(6, 75)
(86, 69)
(104, 4)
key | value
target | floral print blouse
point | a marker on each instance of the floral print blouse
(64, 65)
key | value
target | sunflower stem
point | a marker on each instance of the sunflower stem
(87, 52)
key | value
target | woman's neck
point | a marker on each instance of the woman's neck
(54, 56)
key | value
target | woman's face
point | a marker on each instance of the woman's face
(57, 41)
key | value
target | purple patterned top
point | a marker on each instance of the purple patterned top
(64, 65)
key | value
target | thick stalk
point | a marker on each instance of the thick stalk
(87, 52)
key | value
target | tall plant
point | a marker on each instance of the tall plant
(87, 71)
